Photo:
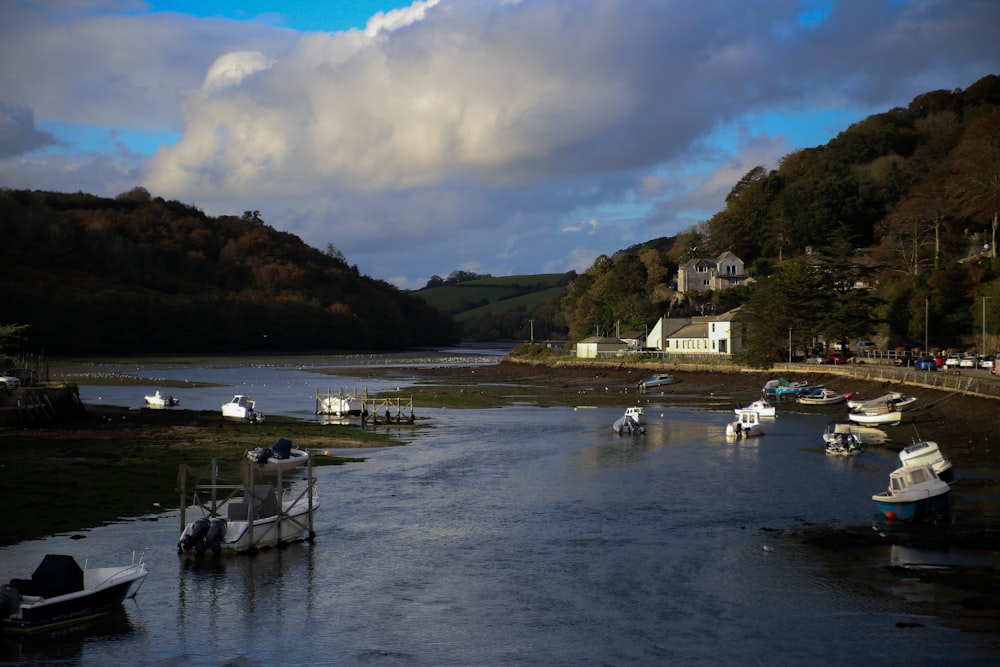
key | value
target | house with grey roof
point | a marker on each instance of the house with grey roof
(703, 275)
(712, 335)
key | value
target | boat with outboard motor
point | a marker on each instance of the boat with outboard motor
(279, 455)
(245, 516)
(158, 400)
(60, 594)
(632, 422)
(747, 425)
(242, 408)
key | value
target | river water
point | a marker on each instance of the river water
(531, 536)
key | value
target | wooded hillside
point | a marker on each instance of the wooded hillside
(903, 204)
(140, 274)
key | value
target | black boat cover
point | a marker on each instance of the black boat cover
(56, 575)
(281, 449)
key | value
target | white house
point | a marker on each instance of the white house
(717, 335)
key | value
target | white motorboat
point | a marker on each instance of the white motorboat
(657, 380)
(60, 594)
(883, 415)
(158, 400)
(279, 455)
(762, 407)
(633, 421)
(249, 518)
(927, 452)
(837, 430)
(242, 408)
(747, 425)
(914, 493)
(900, 401)
(847, 442)
(340, 404)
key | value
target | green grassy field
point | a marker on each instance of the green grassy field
(509, 291)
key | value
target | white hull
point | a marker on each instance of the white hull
(296, 458)
(898, 400)
(158, 400)
(747, 425)
(761, 407)
(292, 524)
(891, 418)
(242, 408)
(340, 406)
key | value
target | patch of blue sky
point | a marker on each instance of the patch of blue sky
(814, 12)
(77, 138)
(798, 129)
(310, 16)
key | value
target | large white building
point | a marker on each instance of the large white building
(717, 335)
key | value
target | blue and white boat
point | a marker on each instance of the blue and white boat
(785, 387)
(914, 493)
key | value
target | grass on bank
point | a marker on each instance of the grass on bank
(122, 463)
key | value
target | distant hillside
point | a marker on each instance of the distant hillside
(141, 274)
(501, 308)
(905, 202)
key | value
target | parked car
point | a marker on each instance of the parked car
(818, 359)
(906, 360)
(836, 358)
(926, 364)
(969, 362)
(10, 382)
(989, 361)
(953, 361)
(27, 376)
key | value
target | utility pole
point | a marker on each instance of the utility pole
(531, 325)
(982, 350)
(789, 345)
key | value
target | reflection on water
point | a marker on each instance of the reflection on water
(538, 536)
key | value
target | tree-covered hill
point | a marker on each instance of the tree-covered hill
(140, 274)
(903, 204)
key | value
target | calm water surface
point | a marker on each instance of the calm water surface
(535, 536)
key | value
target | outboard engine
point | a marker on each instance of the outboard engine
(260, 455)
(216, 531)
(195, 536)
(10, 600)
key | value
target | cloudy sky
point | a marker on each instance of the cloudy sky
(495, 136)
